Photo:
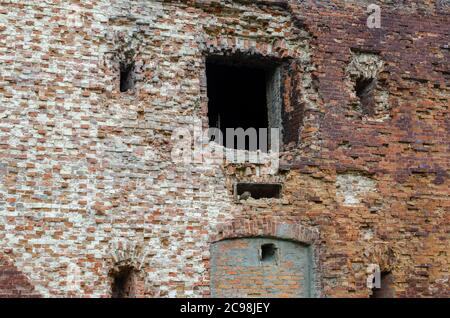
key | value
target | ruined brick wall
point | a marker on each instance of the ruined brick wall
(87, 180)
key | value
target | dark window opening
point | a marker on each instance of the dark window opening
(258, 190)
(386, 289)
(123, 284)
(242, 95)
(126, 77)
(364, 88)
(268, 253)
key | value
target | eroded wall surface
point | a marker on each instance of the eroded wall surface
(88, 183)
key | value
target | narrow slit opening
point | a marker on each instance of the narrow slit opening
(364, 88)
(126, 77)
(123, 284)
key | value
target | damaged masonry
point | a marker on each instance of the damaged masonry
(224, 149)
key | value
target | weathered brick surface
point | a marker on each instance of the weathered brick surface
(87, 180)
(13, 283)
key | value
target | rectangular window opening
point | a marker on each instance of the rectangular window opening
(244, 191)
(243, 93)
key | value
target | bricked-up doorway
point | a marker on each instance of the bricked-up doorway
(261, 267)
(243, 93)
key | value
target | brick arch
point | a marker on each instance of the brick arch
(266, 228)
(14, 283)
(126, 261)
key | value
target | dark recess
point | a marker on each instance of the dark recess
(123, 284)
(268, 252)
(364, 88)
(236, 96)
(259, 190)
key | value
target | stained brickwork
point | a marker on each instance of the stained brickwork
(88, 184)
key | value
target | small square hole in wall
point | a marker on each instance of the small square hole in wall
(126, 77)
(243, 93)
(268, 253)
(245, 191)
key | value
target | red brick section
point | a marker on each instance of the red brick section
(293, 109)
(13, 283)
(408, 155)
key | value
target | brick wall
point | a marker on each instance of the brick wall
(88, 184)
(238, 270)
